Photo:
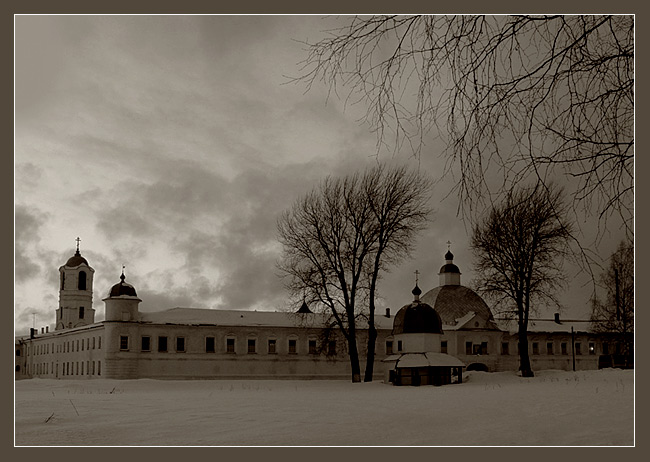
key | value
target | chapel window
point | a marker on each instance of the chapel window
(251, 345)
(312, 347)
(389, 347)
(81, 312)
(82, 280)
(180, 344)
(272, 346)
(124, 342)
(293, 346)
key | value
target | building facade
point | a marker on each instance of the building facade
(186, 343)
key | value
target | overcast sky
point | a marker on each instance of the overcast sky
(170, 145)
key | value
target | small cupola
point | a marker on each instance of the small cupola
(122, 288)
(449, 273)
(122, 302)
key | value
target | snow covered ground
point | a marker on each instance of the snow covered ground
(493, 409)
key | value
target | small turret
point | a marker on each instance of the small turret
(122, 302)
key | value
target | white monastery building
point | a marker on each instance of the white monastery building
(429, 341)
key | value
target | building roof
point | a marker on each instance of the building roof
(201, 316)
(454, 302)
(425, 360)
(546, 326)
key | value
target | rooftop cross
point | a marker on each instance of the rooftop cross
(78, 241)
(416, 277)
(448, 245)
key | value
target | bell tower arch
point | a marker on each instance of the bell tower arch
(75, 293)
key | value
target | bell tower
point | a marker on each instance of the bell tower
(75, 293)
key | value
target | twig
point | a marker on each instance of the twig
(75, 407)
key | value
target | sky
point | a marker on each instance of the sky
(171, 144)
(554, 408)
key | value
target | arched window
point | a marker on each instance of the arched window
(62, 280)
(81, 312)
(82, 280)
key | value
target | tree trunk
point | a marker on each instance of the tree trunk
(370, 358)
(524, 360)
(354, 361)
(353, 352)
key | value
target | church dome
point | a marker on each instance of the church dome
(449, 268)
(453, 302)
(76, 260)
(417, 317)
(122, 288)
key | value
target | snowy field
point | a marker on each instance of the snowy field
(489, 409)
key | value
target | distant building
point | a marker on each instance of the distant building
(449, 327)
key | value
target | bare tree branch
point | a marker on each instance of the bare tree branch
(522, 96)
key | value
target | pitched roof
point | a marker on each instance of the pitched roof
(546, 326)
(200, 316)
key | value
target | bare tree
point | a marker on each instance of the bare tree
(519, 248)
(339, 237)
(522, 96)
(615, 313)
(398, 201)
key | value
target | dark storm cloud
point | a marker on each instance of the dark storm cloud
(28, 222)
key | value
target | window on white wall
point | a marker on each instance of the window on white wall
(146, 343)
(209, 345)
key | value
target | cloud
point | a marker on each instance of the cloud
(28, 223)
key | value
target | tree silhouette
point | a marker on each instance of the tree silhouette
(518, 249)
(615, 314)
(338, 239)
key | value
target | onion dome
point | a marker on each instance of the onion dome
(122, 288)
(76, 260)
(417, 317)
(453, 302)
(449, 255)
